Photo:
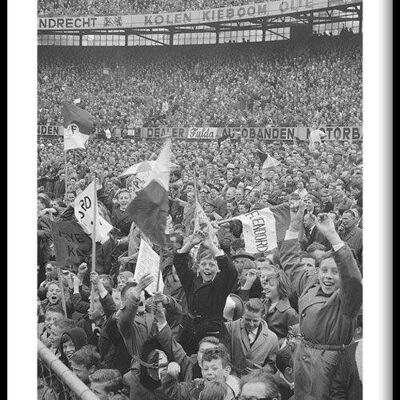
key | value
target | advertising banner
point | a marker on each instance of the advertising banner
(50, 130)
(202, 133)
(267, 133)
(351, 133)
(196, 17)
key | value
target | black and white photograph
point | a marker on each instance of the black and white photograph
(196, 226)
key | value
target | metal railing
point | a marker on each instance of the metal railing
(56, 381)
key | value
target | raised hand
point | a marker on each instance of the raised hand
(82, 270)
(296, 215)
(94, 278)
(197, 238)
(173, 369)
(159, 313)
(161, 298)
(145, 281)
(326, 226)
(250, 278)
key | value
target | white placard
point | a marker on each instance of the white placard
(148, 262)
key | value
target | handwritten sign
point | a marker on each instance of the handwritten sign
(148, 262)
(71, 244)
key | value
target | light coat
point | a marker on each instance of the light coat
(260, 353)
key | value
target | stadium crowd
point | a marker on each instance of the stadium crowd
(257, 84)
(71, 8)
(228, 324)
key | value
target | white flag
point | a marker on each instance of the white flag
(259, 230)
(73, 138)
(84, 206)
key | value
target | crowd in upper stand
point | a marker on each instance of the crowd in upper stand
(278, 84)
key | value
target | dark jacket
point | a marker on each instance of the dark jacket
(280, 318)
(135, 329)
(121, 220)
(206, 299)
(314, 236)
(44, 240)
(175, 290)
(354, 239)
(112, 348)
(346, 383)
(93, 335)
(59, 189)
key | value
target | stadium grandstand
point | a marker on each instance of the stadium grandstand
(287, 73)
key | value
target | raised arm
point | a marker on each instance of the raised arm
(127, 312)
(106, 300)
(290, 249)
(78, 303)
(171, 347)
(349, 275)
(228, 273)
(181, 261)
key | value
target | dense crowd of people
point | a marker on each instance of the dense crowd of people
(52, 8)
(256, 84)
(229, 324)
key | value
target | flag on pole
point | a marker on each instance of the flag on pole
(267, 160)
(149, 209)
(203, 223)
(84, 213)
(78, 124)
(263, 229)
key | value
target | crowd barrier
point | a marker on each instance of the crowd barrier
(56, 381)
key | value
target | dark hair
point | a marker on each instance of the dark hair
(254, 305)
(262, 376)
(107, 282)
(87, 355)
(315, 246)
(111, 378)
(237, 244)
(44, 199)
(328, 254)
(214, 391)
(284, 359)
(65, 324)
(178, 236)
(217, 353)
(305, 254)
